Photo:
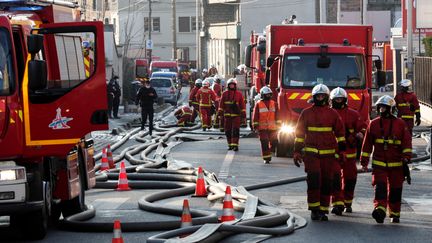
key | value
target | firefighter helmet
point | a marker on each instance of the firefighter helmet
(205, 70)
(198, 81)
(338, 93)
(232, 81)
(406, 83)
(320, 89)
(261, 38)
(265, 90)
(218, 78)
(386, 100)
(206, 83)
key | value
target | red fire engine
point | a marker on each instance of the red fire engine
(48, 105)
(300, 56)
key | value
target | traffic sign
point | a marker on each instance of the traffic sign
(149, 44)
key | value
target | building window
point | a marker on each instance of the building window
(106, 21)
(187, 24)
(114, 24)
(94, 5)
(155, 24)
(107, 5)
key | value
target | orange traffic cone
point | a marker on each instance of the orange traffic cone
(117, 233)
(228, 208)
(186, 218)
(123, 184)
(200, 189)
(110, 157)
(104, 161)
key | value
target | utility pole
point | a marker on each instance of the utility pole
(197, 24)
(338, 12)
(174, 28)
(323, 11)
(364, 11)
(150, 30)
(410, 63)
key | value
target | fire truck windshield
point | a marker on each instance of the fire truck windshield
(6, 71)
(347, 71)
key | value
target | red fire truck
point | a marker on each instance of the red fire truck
(48, 106)
(300, 56)
(141, 69)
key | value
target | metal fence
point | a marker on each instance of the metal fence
(423, 79)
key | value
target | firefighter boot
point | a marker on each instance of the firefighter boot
(337, 210)
(315, 215)
(323, 216)
(267, 160)
(378, 215)
(348, 209)
(394, 220)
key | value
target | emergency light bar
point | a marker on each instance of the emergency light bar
(15, 3)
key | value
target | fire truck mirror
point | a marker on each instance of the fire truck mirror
(378, 64)
(267, 76)
(37, 75)
(323, 62)
(270, 61)
(248, 56)
(34, 43)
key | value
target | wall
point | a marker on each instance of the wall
(257, 15)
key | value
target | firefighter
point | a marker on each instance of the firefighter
(346, 174)
(213, 70)
(204, 73)
(217, 88)
(184, 116)
(266, 123)
(408, 105)
(389, 139)
(320, 134)
(193, 101)
(205, 98)
(233, 109)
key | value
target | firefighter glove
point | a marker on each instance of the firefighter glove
(342, 158)
(297, 159)
(417, 120)
(407, 173)
(359, 136)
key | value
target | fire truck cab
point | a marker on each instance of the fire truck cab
(50, 100)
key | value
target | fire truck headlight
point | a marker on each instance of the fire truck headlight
(286, 129)
(12, 174)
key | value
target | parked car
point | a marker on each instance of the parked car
(174, 76)
(166, 88)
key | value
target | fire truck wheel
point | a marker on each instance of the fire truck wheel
(34, 225)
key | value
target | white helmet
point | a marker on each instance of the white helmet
(265, 90)
(198, 81)
(257, 98)
(261, 38)
(205, 70)
(206, 83)
(386, 100)
(406, 83)
(338, 93)
(232, 81)
(320, 89)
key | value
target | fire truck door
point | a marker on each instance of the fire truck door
(73, 100)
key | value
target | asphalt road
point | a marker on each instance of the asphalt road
(244, 168)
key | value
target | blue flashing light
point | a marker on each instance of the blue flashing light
(26, 8)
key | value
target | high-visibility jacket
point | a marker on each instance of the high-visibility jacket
(192, 96)
(407, 105)
(319, 131)
(232, 104)
(204, 97)
(264, 115)
(390, 141)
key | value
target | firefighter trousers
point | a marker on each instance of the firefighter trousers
(216, 121)
(388, 189)
(410, 124)
(268, 139)
(232, 130)
(195, 112)
(344, 182)
(320, 173)
(205, 113)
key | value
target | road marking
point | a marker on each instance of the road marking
(420, 205)
(224, 170)
(109, 203)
